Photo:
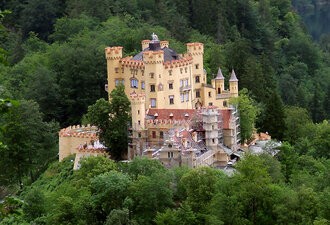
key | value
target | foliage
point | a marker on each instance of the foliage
(248, 113)
(57, 63)
(29, 141)
(273, 116)
(111, 119)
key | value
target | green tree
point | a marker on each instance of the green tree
(151, 194)
(248, 112)
(273, 117)
(30, 142)
(119, 217)
(295, 119)
(34, 204)
(200, 185)
(112, 119)
(109, 191)
(92, 167)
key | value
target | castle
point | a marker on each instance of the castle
(176, 116)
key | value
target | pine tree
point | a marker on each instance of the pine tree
(316, 107)
(274, 116)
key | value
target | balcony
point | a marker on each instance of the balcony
(185, 88)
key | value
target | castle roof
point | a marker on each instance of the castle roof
(233, 76)
(219, 75)
(169, 54)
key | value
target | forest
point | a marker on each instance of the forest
(52, 68)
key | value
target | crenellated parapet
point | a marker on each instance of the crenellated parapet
(195, 48)
(178, 63)
(153, 57)
(134, 64)
(79, 131)
(164, 44)
(113, 53)
(137, 98)
(145, 44)
(73, 136)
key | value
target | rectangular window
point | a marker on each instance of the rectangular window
(123, 82)
(185, 69)
(161, 134)
(186, 82)
(170, 72)
(154, 134)
(122, 70)
(197, 79)
(187, 97)
(171, 99)
(210, 94)
(181, 83)
(142, 72)
(117, 70)
(152, 88)
(181, 70)
(117, 82)
(182, 97)
(153, 102)
(134, 83)
(142, 85)
(170, 85)
(152, 75)
(196, 66)
(210, 103)
(198, 94)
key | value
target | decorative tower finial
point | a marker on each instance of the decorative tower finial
(154, 37)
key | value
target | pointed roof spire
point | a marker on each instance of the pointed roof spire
(219, 75)
(233, 76)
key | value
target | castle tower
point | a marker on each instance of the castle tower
(138, 111)
(219, 82)
(113, 55)
(196, 51)
(135, 148)
(233, 84)
(153, 61)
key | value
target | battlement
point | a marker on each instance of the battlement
(164, 44)
(135, 64)
(178, 63)
(137, 98)
(151, 57)
(113, 53)
(145, 44)
(79, 131)
(195, 48)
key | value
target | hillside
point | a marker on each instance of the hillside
(52, 67)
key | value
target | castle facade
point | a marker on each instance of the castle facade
(177, 117)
